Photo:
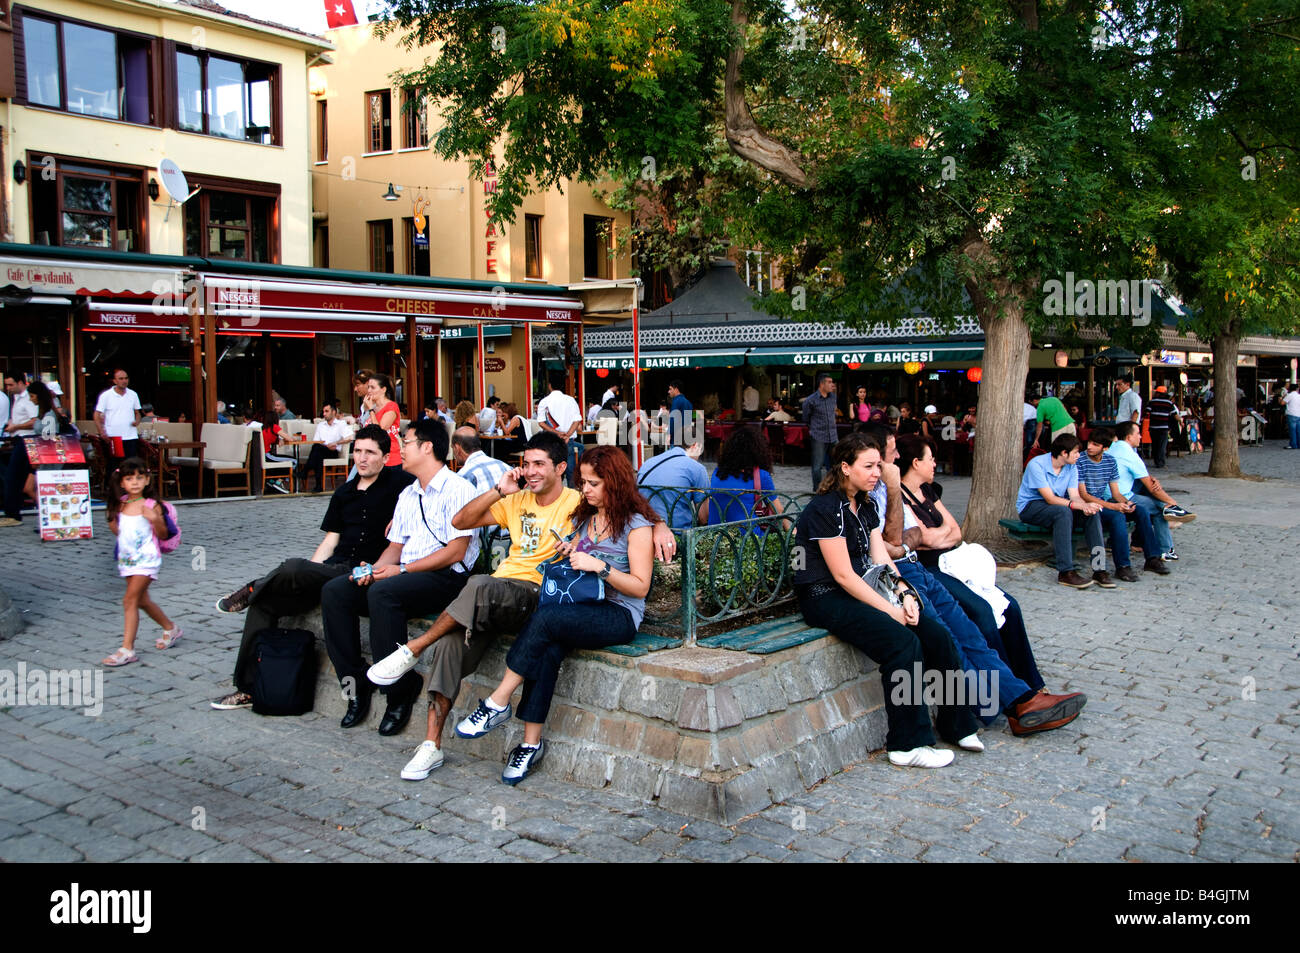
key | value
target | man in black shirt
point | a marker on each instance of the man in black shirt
(354, 526)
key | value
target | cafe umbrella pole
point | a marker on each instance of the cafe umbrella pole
(639, 450)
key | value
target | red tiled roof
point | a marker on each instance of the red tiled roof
(212, 7)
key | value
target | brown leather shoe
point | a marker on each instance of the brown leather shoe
(1156, 565)
(1102, 578)
(1044, 712)
(1127, 574)
(1073, 580)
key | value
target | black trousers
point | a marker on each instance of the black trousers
(388, 603)
(292, 588)
(899, 651)
(16, 473)
(315, 463)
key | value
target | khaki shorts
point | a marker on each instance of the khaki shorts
(1068, 428)
(487, 607)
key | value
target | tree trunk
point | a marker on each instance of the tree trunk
(744, 136)
(997, 466)
(1225, 459)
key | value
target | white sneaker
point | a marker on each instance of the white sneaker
(427, 757)
(923, 757)
(482, 720)
(971, 743)
(522, 760)
(391, 668)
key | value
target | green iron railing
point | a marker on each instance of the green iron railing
(725, 571)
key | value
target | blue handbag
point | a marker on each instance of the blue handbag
(562, 585)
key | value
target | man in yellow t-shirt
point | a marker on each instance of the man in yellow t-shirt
(529, 501)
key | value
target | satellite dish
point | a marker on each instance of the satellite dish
(173, 180)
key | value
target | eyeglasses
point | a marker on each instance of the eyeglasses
(408, 443)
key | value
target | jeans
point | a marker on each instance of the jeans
(1061, 520)
(821, 460)
(1116, 525)
(1011, 641)
(1159, 443)
(1293, 431)
(291, 588)
(1154, 510)
(389, 603)
(977, 655)
(897, 649)
(574, 448)
(547, 638)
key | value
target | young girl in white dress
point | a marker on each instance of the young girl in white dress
(137, 520)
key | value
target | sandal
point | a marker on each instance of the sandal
(122, 656)
(169, 638)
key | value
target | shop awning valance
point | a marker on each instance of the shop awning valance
(868, 356)
(622, 360)
(50, 276)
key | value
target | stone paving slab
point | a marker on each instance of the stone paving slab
(1187, 750)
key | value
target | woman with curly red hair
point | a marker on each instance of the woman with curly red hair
(612, 537)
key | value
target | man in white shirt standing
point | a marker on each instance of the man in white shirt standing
(1130, 403)
(1292, 404)
(331, 433)
(560, 414)
(118, 411)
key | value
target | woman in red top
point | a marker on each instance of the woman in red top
(386, 414)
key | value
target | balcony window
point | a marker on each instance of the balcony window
(233, 225)
(86, 70)
(415, 120)
(94, 206)
(226, 97)
(597, 243)
(533, 246)
(379, 241)
(379, 121)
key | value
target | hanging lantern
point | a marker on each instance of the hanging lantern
(602, 372)
(853, 365)
(974, 374)
(913, 367)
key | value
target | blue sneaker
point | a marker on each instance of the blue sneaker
(483, 720)
(522, 760)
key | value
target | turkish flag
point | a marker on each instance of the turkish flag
(339, 13)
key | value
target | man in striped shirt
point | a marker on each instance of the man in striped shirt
(1161, 411)
(1099, 483)
(424, 567)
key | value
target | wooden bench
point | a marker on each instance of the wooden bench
(1018, 529)
(764, 638)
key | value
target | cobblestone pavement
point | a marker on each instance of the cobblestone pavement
(1187, 750)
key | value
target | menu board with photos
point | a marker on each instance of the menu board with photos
(63, 502)
(53, 450)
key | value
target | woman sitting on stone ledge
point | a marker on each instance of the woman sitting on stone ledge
(612, 538)
(839, 538)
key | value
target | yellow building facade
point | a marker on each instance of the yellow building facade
(366, 136)
(105, 91)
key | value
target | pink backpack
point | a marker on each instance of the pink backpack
(170, 542)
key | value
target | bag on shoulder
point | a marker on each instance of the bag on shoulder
(172, 541)
(761, 506)
(284, 679)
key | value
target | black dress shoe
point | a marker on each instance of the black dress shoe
(396, 716)
(358, 708)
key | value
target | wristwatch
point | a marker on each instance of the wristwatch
(604, 572)
(402, 568)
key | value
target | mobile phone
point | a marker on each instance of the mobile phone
(556, 533)
(360, 572)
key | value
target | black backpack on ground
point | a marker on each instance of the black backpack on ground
(284, 679)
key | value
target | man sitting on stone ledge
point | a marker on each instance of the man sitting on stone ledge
(354, 525)
(426, 565)
(533, 504)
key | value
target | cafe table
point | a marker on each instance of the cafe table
(161, 453)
